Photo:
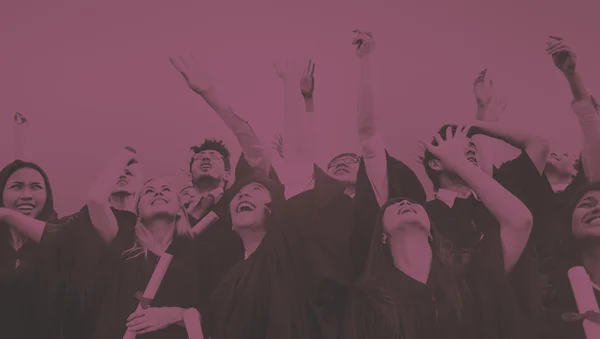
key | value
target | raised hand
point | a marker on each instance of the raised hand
(277, 144)
(307, 82)
(364, 42)
(483, 90)
(20, 119)
(489, 105)
(563, 56)
(153, 319)
(451, 149)
(194, 73)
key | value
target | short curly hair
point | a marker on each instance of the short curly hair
(213, 145)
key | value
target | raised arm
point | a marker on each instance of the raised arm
(98, 202)
(489, 108)
(514, 217)
(200, 82)
(27, 226)
(584, 106)
(536, 147)
(372, 145)
(21, 126)
(299, 127)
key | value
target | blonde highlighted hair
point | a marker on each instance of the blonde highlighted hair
(144, 241)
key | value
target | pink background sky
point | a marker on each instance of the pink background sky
(94, 76)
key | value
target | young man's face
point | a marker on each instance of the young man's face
(561, 164)
(471, 154)
(344, 168)
(208, 164)
(188, 197)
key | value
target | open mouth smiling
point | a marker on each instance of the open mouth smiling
(25, 207)
(406, 209)
(592, 219)
(159, 201)
(245, 206)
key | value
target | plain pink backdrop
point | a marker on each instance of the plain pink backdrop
(94, 76)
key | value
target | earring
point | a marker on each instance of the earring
(384, 239)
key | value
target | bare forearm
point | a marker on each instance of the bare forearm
(589, 121)
(577, 87)
(176, 314)
(103, 220)
(27, 226)
(299, 125)
(20, 139)
(366, 106)
(309, 105)
(536, 147)
(255, 152)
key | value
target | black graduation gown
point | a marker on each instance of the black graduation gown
(30, 293)
(126, 277)
(315, 239)
(464, 223)
(428, 311)
(79, 248)
(564, 302)
(219, 241)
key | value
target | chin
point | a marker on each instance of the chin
(243, 225)
(123, 190)
(162, 212)
(347, 178)
(205, 176)
(245, 222)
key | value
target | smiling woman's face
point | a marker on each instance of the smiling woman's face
(158, 199)
(586, 216)
(248, 207)
(25, 191)
(405, 214)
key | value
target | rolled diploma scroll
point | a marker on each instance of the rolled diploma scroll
(153, 285)
(191, 319)
(585, 298)
(208, 220)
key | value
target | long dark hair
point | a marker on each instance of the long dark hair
(47, 213)
(375, 288)
(575, 247)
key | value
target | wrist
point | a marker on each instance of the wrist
(204, 91)
(175, 314)
(572, 77)
(309, 104)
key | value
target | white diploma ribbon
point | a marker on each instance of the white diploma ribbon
(208, 220)
(153, 285)
(191, 319)
(583, 291)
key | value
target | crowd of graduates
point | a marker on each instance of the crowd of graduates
(264, 249)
